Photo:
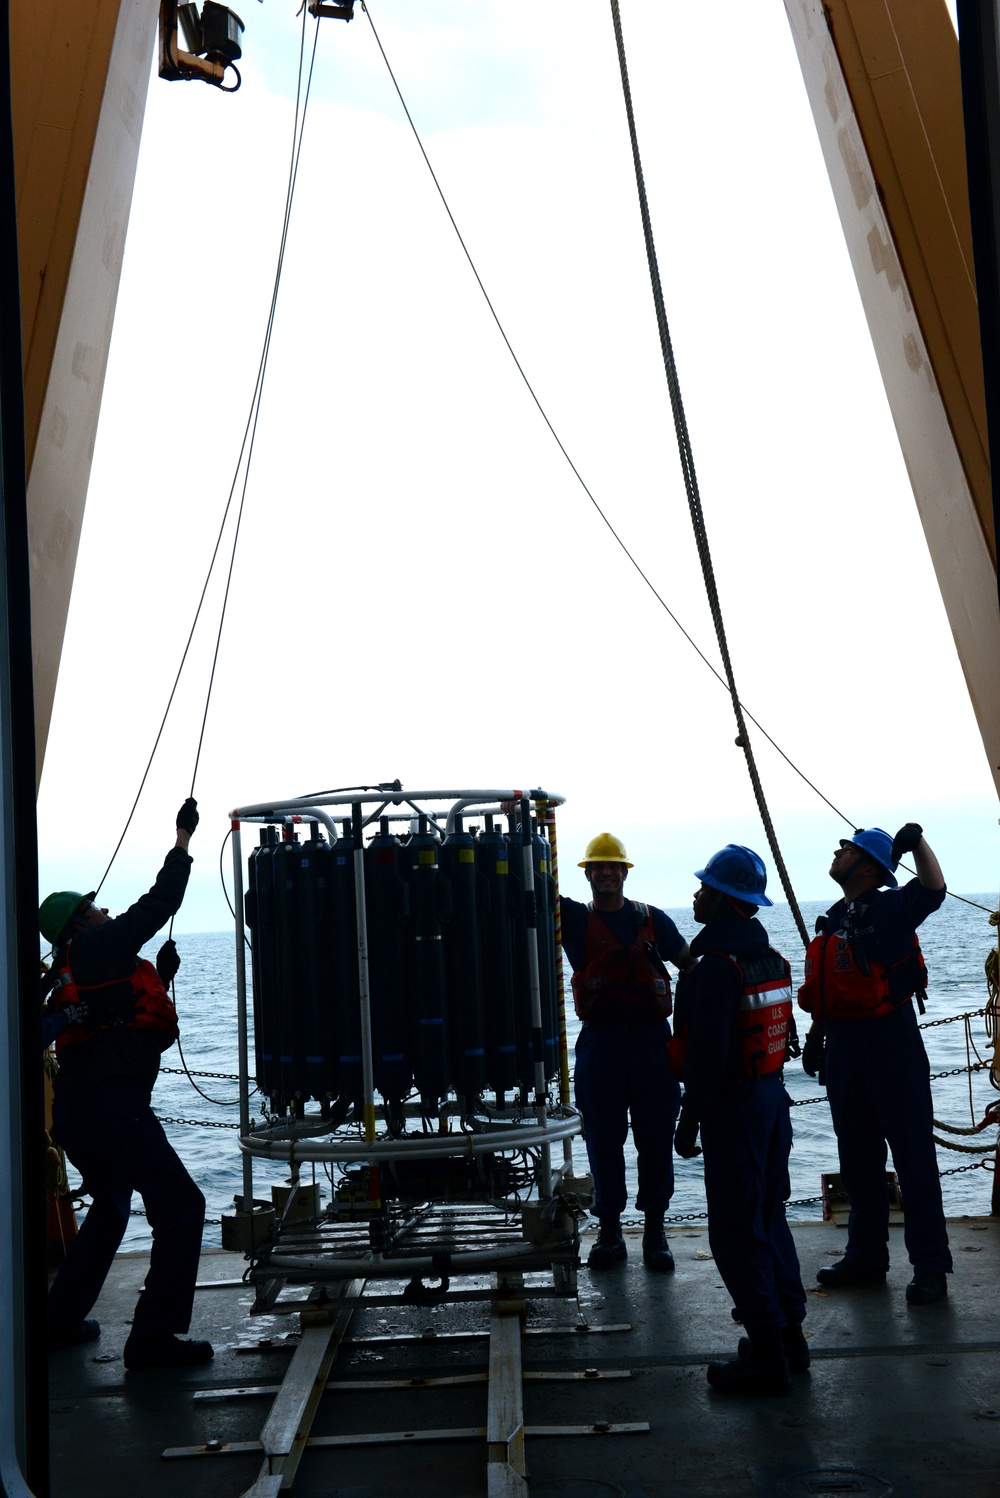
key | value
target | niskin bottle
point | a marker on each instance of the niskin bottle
(461, 943)
(426, 962)
(259, 911)
(496, 961)
(386, 901)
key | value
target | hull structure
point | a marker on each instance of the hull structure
(885, 89)
(80, 76)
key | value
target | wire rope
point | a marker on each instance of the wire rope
(632, 559)
(691, 487)
(559, 443)
(245, 451)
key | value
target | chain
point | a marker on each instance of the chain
(930, 1024)
(956, 1170)
(218, 1076)
(198, 1123)
(957, 1071)
(214, 1222)
(800, 1201)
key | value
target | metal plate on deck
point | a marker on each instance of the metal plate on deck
(826, 1482)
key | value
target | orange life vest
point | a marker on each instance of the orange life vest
(763, 1019)
(841, 983)
(140, 1001)
(765, 1013)
(621, 984)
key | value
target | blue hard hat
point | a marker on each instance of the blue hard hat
(736, 871)
(878, 845)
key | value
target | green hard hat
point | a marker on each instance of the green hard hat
(55, 910)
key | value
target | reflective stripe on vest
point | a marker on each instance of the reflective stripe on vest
(762, 1020)
(765, 1013)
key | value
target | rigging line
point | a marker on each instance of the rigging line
(729, 686)
(691, 486)
(573, 468)
(254, 403)
(294, 172)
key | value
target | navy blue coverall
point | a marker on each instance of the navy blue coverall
(746, 1135)
(878, 1084)
(103, 1120)
(622, 1071)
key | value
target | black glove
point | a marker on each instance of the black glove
(167, 961)
(75, 1014)
(906, 840)
(187, 817)
(813, 1058)
(686, 1136)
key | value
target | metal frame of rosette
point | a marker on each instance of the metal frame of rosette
(476, 1241)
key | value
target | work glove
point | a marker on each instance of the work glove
(167, 962)
(814, 1056)
(187, 817)
(686, 1136)
(75, 1014)
(906, 840)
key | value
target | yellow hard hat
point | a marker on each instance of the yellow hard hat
(605, 848)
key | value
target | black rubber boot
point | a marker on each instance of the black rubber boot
(72, 1336)
(844, 1275)
(164, 1351)
(926, 1287)
(763, 1371)
(796, 1348)
(656, 1253)
(610, 1246)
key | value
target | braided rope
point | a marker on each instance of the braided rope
(965, 1149)
(693, 495)
(978, 1128)
(992, 1011)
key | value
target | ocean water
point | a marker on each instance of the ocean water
(955, 941)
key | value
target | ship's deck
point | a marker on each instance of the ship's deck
(899, 1400)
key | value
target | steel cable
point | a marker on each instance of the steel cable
(691, 487)
(249, 432)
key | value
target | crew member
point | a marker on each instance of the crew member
(621, 989)
(862, 970)
(109, 1056)
(731, 1035)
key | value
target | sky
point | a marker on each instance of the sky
(421, 588)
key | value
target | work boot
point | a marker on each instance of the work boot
(72, 1336)
(164, 1351)
(656, 1253)
(763, 1371)
(610, 1246)
(926, 1287)
(845, 1274)
(796, 1348)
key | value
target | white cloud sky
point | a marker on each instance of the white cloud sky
(421, 588)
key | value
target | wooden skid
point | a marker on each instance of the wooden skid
(413, 1437)
(286, 1430)
(376, 1385)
